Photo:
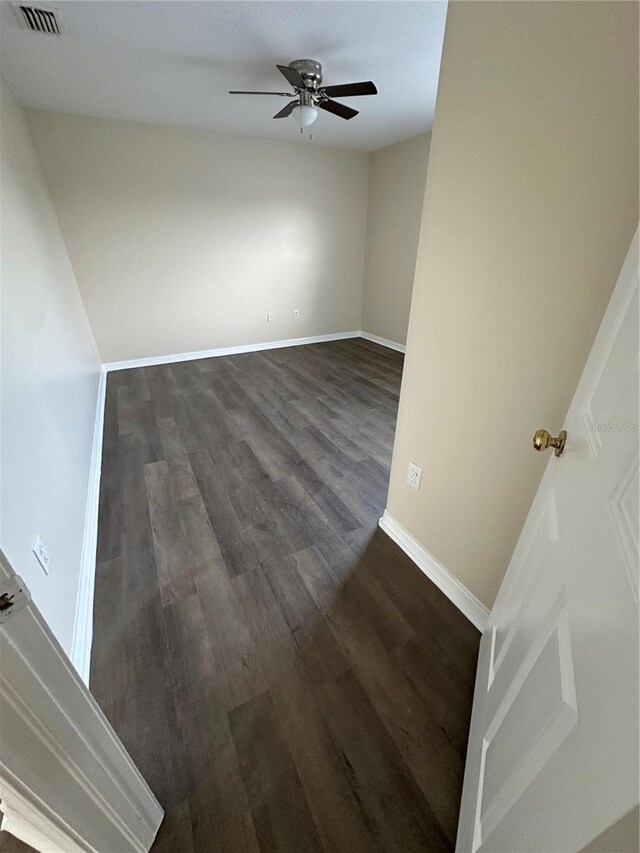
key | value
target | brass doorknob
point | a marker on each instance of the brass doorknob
(542, 439)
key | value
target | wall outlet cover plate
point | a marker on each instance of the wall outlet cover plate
(414, 475)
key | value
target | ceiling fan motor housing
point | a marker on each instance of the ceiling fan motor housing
(310, 71)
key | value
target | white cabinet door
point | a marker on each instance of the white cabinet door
(553, 746)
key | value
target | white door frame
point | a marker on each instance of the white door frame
(66, 781)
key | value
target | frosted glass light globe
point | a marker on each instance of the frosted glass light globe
(305, 115)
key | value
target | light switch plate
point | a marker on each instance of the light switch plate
(41, 554)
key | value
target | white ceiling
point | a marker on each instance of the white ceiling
(169, 62)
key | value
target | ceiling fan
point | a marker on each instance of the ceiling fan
(305, 75)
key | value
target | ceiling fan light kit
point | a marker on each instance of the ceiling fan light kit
(305, 115)
(305, 76)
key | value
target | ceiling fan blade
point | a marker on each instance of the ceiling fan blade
(350, 90)
(281, 94)
(337, 109)
(286, 111)
(292, 76)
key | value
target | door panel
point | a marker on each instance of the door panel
(625, 510)
(538, 712)
(522, 601)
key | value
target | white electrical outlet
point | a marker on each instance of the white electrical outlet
(41, 554)
(414, 475)
(269, 317)
(296, 313)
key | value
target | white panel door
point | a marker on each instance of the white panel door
(553, 747)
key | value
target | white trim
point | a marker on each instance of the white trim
(14, 705)
(384, 342)
(457, 592)
(32, 824)
(83, 626)
(90, 796)
(215, 353)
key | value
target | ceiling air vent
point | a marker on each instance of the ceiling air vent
(39, 20)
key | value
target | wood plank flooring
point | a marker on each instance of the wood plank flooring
(282, 674)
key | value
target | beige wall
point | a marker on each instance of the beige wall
(531, 203)
(48, 384)
(397, 177)
(182, 240)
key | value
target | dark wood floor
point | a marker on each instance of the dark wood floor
(284, 677)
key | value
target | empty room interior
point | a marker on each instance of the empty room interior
(319, 426)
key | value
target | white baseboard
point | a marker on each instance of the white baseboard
(214, 353)
(83, 626)
(457, 592)
(384, 342)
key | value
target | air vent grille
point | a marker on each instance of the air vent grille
(40, 20)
